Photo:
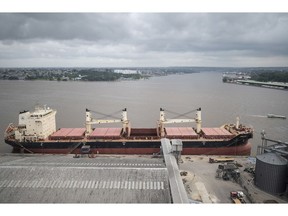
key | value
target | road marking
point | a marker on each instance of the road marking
(89, 184)
(129, 185)
(24, 183)
(51, 186)
(85, 185)
(58, 184)
(34, 184)
(65, 183)
(74, 185)
(46, 184)
(96, 185)
(18, 182)
(7, 183)
(122, 184)
(29, 184)
(162, 185)
(10, 183)
(104, 184)
(111, 184)
(70, 184)
(107, 184)
(2, 183)
(82, 184)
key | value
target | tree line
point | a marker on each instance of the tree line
(276, 76)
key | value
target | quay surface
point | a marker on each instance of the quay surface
(64, 179)
(37, 178)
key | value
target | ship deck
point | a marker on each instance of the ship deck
(184, 133)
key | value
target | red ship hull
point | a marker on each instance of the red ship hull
(234, 150)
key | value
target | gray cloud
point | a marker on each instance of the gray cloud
(135, 39)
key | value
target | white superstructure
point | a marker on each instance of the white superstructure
(36, 125)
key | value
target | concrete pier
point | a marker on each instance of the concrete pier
(64, 179)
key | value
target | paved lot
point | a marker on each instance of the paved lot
(115, 179)
(64, 179)
(201, 182)
(203, 186)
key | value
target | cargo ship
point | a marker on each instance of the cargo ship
(36, 133)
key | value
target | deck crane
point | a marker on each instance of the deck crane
(124, 120)
(162, 121)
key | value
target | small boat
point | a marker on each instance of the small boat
(275, 116)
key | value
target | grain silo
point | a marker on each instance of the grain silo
(270, 173)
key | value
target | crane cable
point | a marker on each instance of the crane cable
(180, 115)
(107, 116)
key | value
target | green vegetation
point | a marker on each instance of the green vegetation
(94, 75)
(277, 76)
(107, 75)
(67, 74)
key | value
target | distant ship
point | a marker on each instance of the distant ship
(276, 116)
(36, 133)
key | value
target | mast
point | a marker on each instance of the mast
(198, 120)
(162, 121)
(124, 120)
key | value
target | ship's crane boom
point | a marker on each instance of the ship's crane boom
(124, 120)
(162, 121)
(173, 121)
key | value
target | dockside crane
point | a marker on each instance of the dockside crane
(124, 120)
(162, 121)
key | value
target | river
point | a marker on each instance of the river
(220, 102)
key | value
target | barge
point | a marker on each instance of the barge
(275, 116)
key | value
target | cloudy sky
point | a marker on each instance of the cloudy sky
(143, 39)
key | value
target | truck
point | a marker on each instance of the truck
(237, 197)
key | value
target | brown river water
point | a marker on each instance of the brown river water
(220, 102)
